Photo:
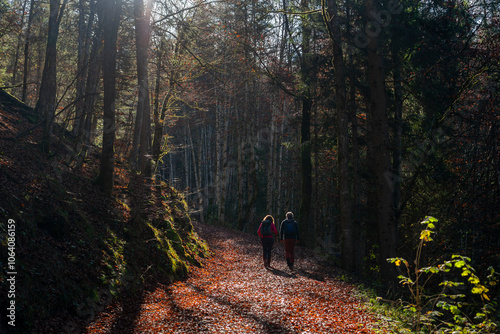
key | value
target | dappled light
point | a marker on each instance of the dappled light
(233, 293)
(154, 152)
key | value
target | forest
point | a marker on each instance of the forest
(362, 117)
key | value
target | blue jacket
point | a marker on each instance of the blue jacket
(284, 235)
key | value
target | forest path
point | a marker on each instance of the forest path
(234, 293)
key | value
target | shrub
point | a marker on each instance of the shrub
(462, 305)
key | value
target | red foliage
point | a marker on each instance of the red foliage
(234, 293)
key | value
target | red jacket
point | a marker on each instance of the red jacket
(273, 231)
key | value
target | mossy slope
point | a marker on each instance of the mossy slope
(77, 250)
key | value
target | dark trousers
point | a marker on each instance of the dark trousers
(267, 247)
(289, 251)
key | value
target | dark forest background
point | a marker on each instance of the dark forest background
(361, 117)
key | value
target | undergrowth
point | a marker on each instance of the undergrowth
(446, 296)
(76, 250)
(70, 264)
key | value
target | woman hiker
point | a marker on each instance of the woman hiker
(267, 231)
(289, 234)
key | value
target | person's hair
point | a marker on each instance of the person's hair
(268, 217)
(289, 215)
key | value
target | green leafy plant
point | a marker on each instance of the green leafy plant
(445, 311)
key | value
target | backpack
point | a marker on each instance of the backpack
(289, 227)
(266, 228)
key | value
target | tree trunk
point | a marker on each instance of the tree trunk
(207, 164)
(359, 243)
(159, 118)
(380, 164)
(111, 22)
(82, 63)
(343, 177)
(279, 200)
(305, 132)
(46, 104)
(158, 125)
(142, 132)
(241, 158)
(18, 48)
(252, 183)
(86, 127)
(306, 171)
(24, 94)
(225, 161)
(272, 164)
(187, 158)
(398, 128)
(39, 65)
(222, 128)
(197, 176)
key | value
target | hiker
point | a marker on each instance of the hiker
(267, 231)
(289, 235)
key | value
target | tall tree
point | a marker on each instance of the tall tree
(380, 159)
(142, 132)
(84, 42)
(111, 22)
(305, 127)
(46, 104)
(26, 51)
(18, 48)
(85, 131)
(159, 115)
(343, 179)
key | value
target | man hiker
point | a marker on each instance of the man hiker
(289, 235)
(267, 231)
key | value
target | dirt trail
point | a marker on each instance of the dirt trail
(234, 293)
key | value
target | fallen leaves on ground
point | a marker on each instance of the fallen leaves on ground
(234, 293)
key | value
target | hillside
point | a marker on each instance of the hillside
(75, 249)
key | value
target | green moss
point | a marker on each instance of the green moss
(73, 261)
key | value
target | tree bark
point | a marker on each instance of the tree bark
(18, 48)
(241, 158)
(197, 176)
(142, 132)
(86, 127)
(279, 200)
(26, 52)
(46, 104)
(222, 128)
(398, 128)
(343, 177)
(111, 22)
(158, 124)
(380, 163)
(305, 132)
(252, 182)
(359, 248)
(272, 164)
(82, 63)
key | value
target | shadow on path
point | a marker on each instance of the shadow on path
(125, 323)
(281, 273)
(189, 318)
(243, 311)
(310, 275)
